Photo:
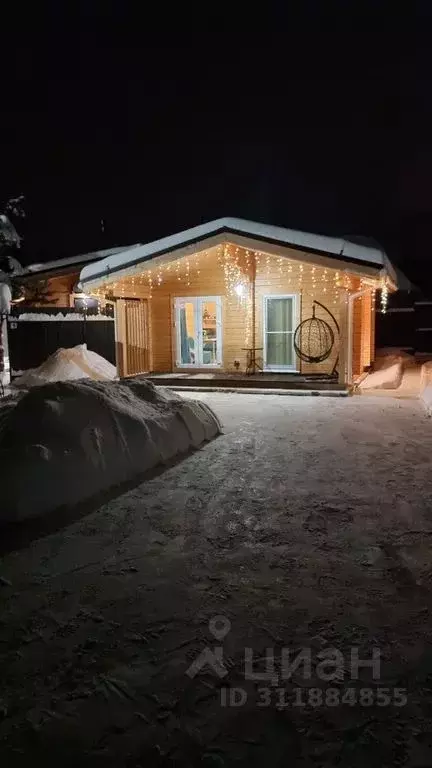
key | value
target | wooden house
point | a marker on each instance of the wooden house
(230, 296)
(54, 283)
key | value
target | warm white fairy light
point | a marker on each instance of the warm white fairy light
(237, 265)
(313, 278)
(384, 297)
(236, 281)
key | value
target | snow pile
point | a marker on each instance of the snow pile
(426, 374)
(426, 386)
(68, 364)
(385, 378)
(65, 442)
(388, 356)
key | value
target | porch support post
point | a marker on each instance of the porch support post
(253, 299)
(121, 337)
(343, 338)
(350, 332)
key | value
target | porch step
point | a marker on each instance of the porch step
(267, 391)
(289, 384)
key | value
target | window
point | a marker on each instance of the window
(280, 317)
(198, 325)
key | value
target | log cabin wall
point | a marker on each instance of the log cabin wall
(206, 280)
(363, 334)
(357, 337)
(56, 290)
(308, 285)
(207, 274)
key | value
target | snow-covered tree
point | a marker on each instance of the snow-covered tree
(10, 241)
(10, 268)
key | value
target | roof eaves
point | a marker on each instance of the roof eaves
(319, 244)
(74, 261)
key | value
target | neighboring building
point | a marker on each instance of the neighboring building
(218, 296)
(54, 283)
(407, 323)
(45, 301)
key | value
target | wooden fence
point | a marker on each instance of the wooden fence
(31, 341)
(407, 324)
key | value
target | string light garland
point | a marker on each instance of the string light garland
(236, 266)
(384, 297)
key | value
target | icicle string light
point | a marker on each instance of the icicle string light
(193, 273)
(384, 297)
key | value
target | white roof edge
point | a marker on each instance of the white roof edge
(334, 246)
(45, 266)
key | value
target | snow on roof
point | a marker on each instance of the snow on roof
(82, 258)
(334, 246)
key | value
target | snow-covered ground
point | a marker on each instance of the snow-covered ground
(306, 524)
(397, 374)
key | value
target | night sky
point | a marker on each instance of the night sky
(317, 119)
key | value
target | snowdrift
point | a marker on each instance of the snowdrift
(426, 386)
(66, 365)
(385, 378)
(388, 356)
(65, 442)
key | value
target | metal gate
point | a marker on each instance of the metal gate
(132, 336)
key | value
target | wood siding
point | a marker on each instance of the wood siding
(363, 332)
(207, 274)
(56, 290)
(210, 282)
(274, 279)
(132, 337)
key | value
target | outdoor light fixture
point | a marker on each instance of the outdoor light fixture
(83, 302)
(81, 295)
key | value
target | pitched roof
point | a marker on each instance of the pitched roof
(60, 265)
(340, 248)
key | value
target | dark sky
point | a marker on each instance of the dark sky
(318, 118)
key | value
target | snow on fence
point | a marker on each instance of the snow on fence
(407, 324)
(43, 317)
(35, 335)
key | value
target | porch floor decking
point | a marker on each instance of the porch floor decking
(255, 381)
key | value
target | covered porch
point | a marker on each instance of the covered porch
(229, 304)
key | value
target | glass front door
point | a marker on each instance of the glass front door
(198, 324)
(280, 315)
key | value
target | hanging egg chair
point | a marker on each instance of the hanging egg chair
(313, 339)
